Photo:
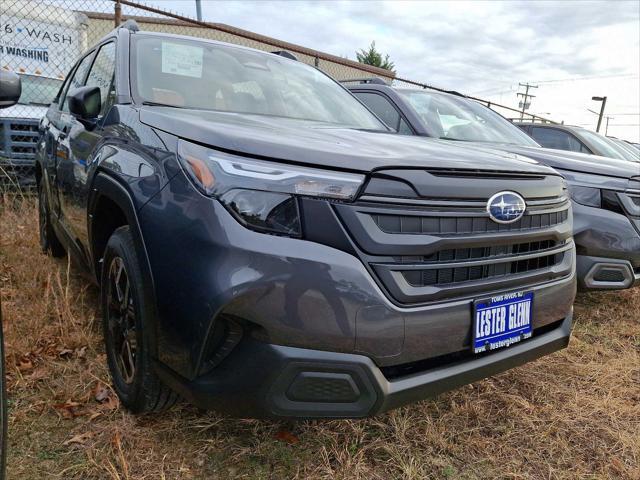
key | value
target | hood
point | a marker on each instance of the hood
(576, 162)
(33, 112)
(319, 144)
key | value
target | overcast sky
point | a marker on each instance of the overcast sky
(573, 50)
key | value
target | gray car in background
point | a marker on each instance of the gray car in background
(578, 139)
(605, 191)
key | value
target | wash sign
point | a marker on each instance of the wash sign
(37, 47)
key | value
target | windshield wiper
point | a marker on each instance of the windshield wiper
(453, 139)
(158, 104)
(40, 104)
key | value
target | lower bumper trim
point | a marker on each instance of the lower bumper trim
(595, 273)
(265, 380)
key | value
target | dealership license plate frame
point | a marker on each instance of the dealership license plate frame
(510, 336)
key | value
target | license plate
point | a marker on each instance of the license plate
(502, 320)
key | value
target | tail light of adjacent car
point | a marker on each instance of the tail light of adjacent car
(262, 195)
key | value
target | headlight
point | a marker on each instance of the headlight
(589, 196)
(262, 194)
(595, 197)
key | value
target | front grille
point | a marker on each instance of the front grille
(18, 143)
(447, 276)
(479, 253)
(18, 138)
(420, 225)
(433, 249)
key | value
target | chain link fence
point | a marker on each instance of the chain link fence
(41, 40)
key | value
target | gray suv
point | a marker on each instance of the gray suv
(605, 191)
(265, 246)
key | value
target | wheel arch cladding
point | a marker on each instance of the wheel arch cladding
(107, 194)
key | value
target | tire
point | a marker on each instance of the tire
(49, 241)
(127, 313)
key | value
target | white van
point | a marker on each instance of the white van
(40, 43)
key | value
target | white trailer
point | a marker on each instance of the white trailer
(41, 43)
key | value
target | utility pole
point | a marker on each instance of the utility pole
(198, 10)
(524, 104)
(602, 105)
(606, 128)
(117, 17)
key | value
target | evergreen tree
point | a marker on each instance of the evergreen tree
(373, 57)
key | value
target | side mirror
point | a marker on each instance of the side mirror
(85, 105)
(10, 88)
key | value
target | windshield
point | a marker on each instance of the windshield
(607, 147)
(38, 90)
(629, 151)
(457, 118)
(193, 74)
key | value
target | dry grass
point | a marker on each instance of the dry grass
(574, 414)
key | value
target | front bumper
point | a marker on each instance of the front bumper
(265, 380)
(305, 306)
(608, 249)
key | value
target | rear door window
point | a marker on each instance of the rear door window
(559, 139)
(384, 109)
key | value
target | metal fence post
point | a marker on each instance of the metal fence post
(117, 17)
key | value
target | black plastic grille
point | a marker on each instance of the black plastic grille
(609, 275)
(463, 225)
(446, 276)
(478, 253)
(322, 387)
(18, 139)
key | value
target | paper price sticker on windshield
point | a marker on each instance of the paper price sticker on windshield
(181, 59)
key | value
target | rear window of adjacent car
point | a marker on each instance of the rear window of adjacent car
(202, 75)
(559, 139)
(385, 110)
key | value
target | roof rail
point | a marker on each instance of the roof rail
(285, 54)
(372, 80)
(130, 25)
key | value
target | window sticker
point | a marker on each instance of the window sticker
(181, 59)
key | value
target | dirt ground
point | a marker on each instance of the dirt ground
(574, 414)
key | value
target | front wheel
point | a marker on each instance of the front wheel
(49, 242)
(127, 312)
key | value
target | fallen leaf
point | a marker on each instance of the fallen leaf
(65, 352)
(70, 409)
(81, 352)
(287, 436)
(95, 415)
(80, 439)
(110, 404)
(38, 374)
(24, 364)
(101, 392)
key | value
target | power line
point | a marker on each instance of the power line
(588, 77)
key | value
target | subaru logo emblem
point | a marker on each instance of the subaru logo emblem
(506, 207)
